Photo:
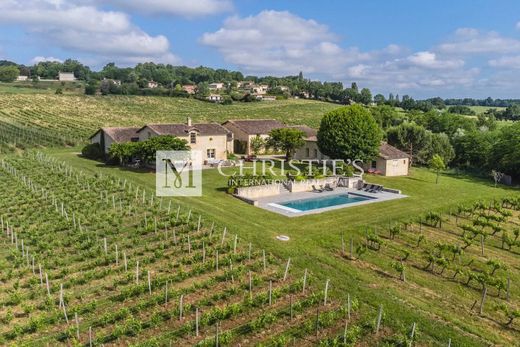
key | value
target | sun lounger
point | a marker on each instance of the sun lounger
(374, 189)
(363, 187)
(328, 187)
(315, 190)
(369, 188)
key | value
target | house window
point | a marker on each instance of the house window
(134, 139)
(404, 161)
(210, 153)
(315, 153)
(307, 152)
(193, 137)
(149, 135)
(373, 165)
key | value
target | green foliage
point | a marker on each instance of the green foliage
(409, 137)
(93, 151)
(8, 73)
(461, 109)
(506, 153)
(146, 150)
(286, 139)
(257, 144)
(349, 133)
(437, 164)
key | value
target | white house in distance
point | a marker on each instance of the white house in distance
(66, 76)
(153, 84)
(106, 136)
(390, 161)
(22, 78)
(216, 86)
(211, 138)
(261, 89)
(244, 130)
(214, 98)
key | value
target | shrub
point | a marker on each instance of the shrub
(92, 151)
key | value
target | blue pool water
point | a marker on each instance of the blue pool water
(324, 201)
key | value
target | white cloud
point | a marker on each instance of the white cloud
(40, 59)
(81, 27)
(274, 42)
(512, 62)
(191, 8)
(280, 43)
(473, 41)
(430, 60)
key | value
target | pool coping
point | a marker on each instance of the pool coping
(271, 203)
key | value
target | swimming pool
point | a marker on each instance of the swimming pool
(322, 202)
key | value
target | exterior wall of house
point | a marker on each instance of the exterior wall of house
(250, 138)
(390, 167)
(104, 140)
(146, 134)
(396, 167)
(238, 135)
(66, 77)
(217, 142)
(309, 151)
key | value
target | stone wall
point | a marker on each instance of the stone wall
(306, 185)
(258, 191)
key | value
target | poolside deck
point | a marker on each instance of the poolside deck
(272, 203)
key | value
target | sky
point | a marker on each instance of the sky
(463, 48)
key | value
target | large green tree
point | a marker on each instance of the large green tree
(8, 73)
(349, 133)
(438, 143)
(286, 139)
(408, 137)
(146, 150)
(506, 153)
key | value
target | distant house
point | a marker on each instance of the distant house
(390, 161)
(244, 130)
(260, 89)
(284, 88)
(211, 138)
(214, 97)
(266, 97)
(22, 78)
(310, 150)
(245, 84)
(116, 82)
(153, 84)
(66, 77)
(189, 88)
(106, 136)
(216, 86)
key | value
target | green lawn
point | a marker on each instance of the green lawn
(315, 241)
(483, 109)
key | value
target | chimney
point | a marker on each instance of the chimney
(188, 121)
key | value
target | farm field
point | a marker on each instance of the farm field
(422, 299)
(71, 119)
(483, 109)
(143, 271)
